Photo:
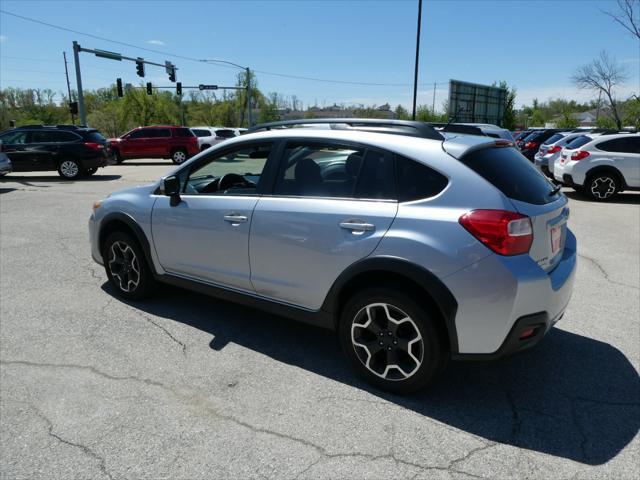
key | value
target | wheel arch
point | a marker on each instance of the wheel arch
(399, 273)
(118, 221)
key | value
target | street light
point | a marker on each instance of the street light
(246, 69)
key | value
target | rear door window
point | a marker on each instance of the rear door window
(511, 173)
(63, 137)
(163, 133)
(578, 142)
(553, 138)
(621, 145)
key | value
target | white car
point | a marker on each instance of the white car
(491, 130)
(601, 167)
(210, 136)
(550, 151)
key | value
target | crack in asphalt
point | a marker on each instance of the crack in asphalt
(324, 453)
(87, 451)
(604, 273)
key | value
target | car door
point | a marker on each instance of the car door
(43, 149)
(14, 145)
(206, 235)
(133, 144)
(331, 205)
(158, 142)
(624, 152)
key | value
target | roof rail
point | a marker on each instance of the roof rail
(378, 125)
(30, 126)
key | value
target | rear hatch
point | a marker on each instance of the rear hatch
(530, 193)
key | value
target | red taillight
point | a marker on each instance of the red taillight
(554, 149)
(504, 232)
(93, 145)
(579, 155)
(503, 143)
(530, 144)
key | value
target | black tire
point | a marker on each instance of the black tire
(117, 156)
(70, 169)
(129, 275)
(429, 347)
(602, 187)
(179, 156)
(90, 171)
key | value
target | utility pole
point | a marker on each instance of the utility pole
(415, 75)
(76, 59)
(249, 116)
(433, 105)
(66, 72)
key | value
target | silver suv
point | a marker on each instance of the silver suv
(414, 245)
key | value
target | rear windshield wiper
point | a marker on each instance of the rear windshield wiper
(555, 190)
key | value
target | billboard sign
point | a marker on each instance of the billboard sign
(474, 103)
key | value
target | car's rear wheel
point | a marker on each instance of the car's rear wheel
(391, 341)
(70, 169)
(178, 156)
(90, 171)
(602, 186)
(127, 267)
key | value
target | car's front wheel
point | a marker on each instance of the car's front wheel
(602, 186)
(127, 267)
(70, 169)
(391, 341)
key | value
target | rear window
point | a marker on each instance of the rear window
(511, 173)
(225, 133)
(621, 145)
(182, 132)
(94, 136)
(553, 139)
(578, 142)
(200, 132)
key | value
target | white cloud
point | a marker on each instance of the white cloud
(3, 38)
(155, 42)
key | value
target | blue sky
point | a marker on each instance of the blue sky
(353, 41)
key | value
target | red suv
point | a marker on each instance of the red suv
(176, 143)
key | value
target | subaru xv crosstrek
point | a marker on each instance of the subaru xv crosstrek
(415, 246)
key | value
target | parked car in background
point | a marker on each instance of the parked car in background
(5, 163)
(162, 141)
(392, 234)
(550, 151)
(602, 166)
(210, 136)
(72, 151)
(532, 142)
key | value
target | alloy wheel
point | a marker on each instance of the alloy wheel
(124, 266)
(69, 168)
(603, 187)
(387, 341)
(179, 156)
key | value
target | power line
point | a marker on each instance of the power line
(213, 62)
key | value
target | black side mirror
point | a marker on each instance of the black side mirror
(171, 187)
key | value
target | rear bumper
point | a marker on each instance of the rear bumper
(95, 162)
(500, 296)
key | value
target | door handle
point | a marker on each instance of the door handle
(357, 227)
(235, 219)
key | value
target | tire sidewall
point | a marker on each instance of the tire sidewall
(435, 353)
(146, 277)
(593, 178)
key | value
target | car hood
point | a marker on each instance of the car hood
(135, 191)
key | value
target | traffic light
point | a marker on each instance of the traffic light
(179, 88)
(140, 67)
(73, 108)
(170, 68)
(149, 88)
(119, 87)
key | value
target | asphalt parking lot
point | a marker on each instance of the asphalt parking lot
(185, 387)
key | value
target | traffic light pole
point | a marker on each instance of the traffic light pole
(81, 110)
